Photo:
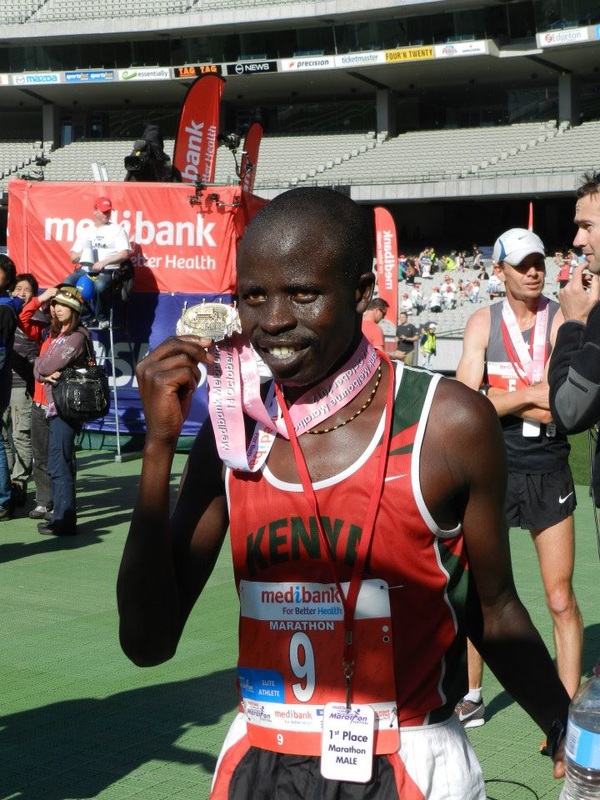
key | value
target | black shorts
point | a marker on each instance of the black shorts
(535, 502)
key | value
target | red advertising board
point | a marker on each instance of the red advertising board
(179, 245)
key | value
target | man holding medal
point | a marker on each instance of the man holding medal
(364, 504)
(506, 349)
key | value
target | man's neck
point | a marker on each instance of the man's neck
(524, 309)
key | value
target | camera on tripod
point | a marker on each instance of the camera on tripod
(230, 140)
(139, 157)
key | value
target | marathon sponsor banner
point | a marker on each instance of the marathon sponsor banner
(195, 150)
(249, 160)
(453, 49)
(90, 76)
(36, 78)
(360, 59)
(386, 252)
(303, 63)
(251, 67)
(145, 74)
(196, 70)
(564, 36)
(409, 54)
(183, 253)
(178, 246)
(4, 80)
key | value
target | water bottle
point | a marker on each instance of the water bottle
(582, 781)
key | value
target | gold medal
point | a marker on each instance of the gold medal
(210, 321)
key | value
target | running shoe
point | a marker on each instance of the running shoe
(470, 714)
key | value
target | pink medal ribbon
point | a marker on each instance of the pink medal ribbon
(528, 362)
(234, 391)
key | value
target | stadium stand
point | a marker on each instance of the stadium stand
(399, 104)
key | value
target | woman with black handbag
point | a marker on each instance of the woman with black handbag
(67, 348)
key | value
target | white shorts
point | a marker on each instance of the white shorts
(439, 758)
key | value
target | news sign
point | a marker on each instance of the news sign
(251, 67)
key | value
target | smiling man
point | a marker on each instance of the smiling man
(506, 348)
(356, 493)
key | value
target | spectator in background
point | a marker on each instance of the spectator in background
(8, 324)
(407, 335)
(16, 420)
(106, 245)
(406, 304)
(435, 300)
(428, 346)
(376, 311)
(66, 348)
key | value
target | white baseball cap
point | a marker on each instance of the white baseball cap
(514, 245)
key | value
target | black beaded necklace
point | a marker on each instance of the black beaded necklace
(364, 407)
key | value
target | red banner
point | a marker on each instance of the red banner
(386, 251)
(195, 150)
(250, 156)
(180, 243)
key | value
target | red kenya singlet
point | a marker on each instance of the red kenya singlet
(409, 609)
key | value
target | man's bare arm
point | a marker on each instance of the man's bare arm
(167, 561)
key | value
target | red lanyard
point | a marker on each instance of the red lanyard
(368, 529)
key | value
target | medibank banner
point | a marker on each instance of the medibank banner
(179, 245)
(195, 151)
(184, 252)
(249, 160)
(386, 251)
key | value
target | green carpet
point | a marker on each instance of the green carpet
(78, 720)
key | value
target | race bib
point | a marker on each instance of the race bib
(290, 666)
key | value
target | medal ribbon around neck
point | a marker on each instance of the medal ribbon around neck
(530, 369)
(368, 527)
(234, 390)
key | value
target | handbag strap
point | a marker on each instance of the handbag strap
(89, 351)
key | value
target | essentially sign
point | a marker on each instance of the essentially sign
(303, 63)
(145, 74)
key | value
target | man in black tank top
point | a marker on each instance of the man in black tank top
(506, 349)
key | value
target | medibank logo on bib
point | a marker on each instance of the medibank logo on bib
(301, 593)
(290, 601)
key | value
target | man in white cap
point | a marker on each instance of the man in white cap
(99, 250)
(506, 349)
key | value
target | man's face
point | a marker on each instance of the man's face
(587, 219)
(403, 318)
(23, 290)
(526, 280)
(298, 310)
(101, 217)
